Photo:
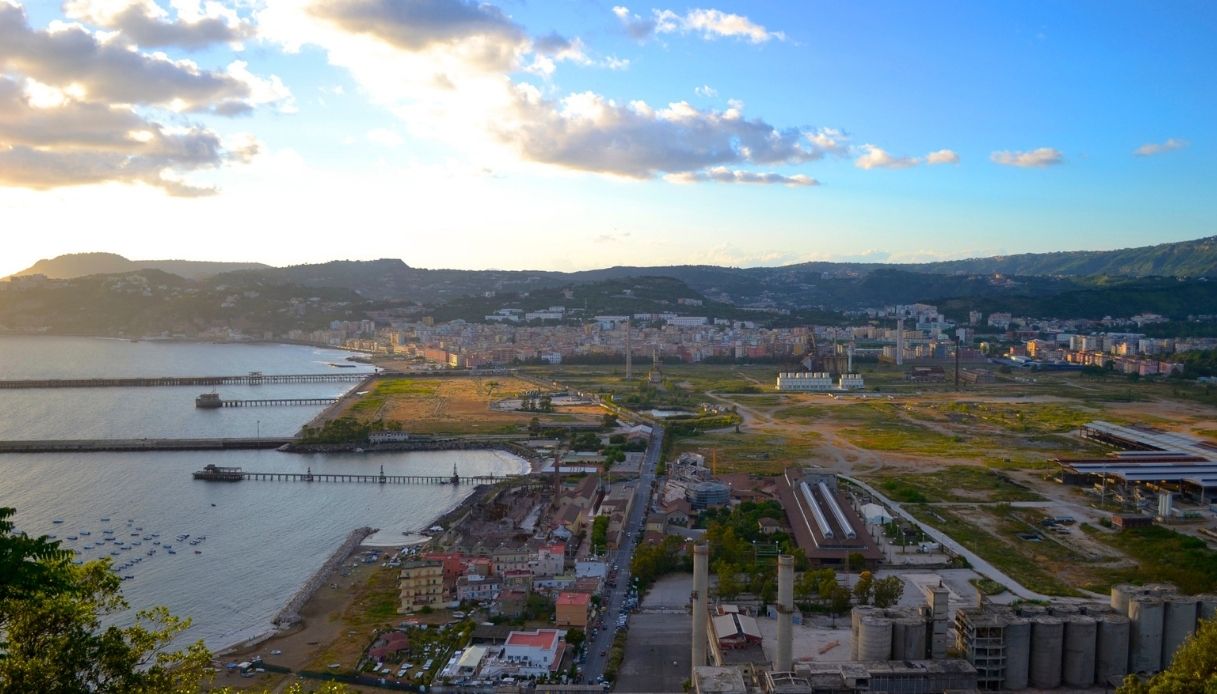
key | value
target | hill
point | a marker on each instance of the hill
(84, 264)
(1197, 258)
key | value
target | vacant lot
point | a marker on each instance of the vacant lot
(454, 405)
(955, 483)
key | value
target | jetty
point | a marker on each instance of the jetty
(131, 445)
(216, 473)
(253, 378)
(211, 401)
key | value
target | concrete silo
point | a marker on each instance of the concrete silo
(1047, 644)
(1145, 616)
(1111, 648)
(1179, 621)
(1077, 665)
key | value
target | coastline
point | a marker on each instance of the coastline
(293, 618)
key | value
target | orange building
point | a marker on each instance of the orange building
(572, 609)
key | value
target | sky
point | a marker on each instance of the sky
(574, 134)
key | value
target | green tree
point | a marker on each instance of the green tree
(888, 591)
(729, 584)
(55, 640)
(838, 599)
(575, 637)
(1193, 670)
(864, 589)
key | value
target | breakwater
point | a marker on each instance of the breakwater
(125, 445)
(418, 445)
(290, 614)
(252, 379)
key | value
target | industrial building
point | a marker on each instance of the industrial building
(817, 382)
(827, 529)
(1152, 459)
(916, 650)
(1078, 646)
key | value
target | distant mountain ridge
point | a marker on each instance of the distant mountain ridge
(818, 284)
(75, 265)
(1195, 258)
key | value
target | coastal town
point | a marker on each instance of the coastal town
(1006, 515)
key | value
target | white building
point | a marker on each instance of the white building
(850, 382)
(536, 652)
(804, 381)
(388, 437)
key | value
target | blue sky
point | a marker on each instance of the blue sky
(568, 135)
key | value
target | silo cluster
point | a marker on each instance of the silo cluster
(1077, 646)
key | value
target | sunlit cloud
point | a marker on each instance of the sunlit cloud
(708, 23)
(198, 24)
(942, 156)
(1151, 148)
(1036, 158)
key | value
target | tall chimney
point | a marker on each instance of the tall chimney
(785, 656)
(701, 583)
(899, 342)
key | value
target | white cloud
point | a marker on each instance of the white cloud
(71, 143)
(105, 70)
(709, 23)
(198, 25)
(1038, 158)
(432, 75)
(706, 91)
(81, 108)
(385, 137)
(1151, 148)
(876, 158)
(721, 174)
(588, 132)
(942, 156)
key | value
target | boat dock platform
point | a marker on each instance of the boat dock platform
(123, 445)
(251, 379)
(216, 473)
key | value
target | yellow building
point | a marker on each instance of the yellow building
(421, 585)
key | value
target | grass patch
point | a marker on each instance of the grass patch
(988, 586)
(755, 452)
(1018, 562)
(955, 483)
(1165, 556)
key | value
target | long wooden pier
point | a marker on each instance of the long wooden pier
(168, 381)
(214, 473)
(280, 402)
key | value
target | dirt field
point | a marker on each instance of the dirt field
(455, 405)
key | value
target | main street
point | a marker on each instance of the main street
(613, 599)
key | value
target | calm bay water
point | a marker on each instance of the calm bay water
(264, 539)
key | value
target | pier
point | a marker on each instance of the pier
(125, 445)
(215, 473)
(250, 379)
(208, 402)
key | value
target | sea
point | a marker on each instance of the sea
(263, 540)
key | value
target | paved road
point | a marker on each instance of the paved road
(612, 598)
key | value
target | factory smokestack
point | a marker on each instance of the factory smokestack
(899, 342)
(701, 583)
(784, 662)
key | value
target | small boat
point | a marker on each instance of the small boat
(198, 551)
(137, 543)
(151, 552)
(105, 520)
(85, 533)
(107, 532)
(171, 551)
(213, 505)
(139, 528)
(128, 577)
(52, 537)
(57, 521)
(114, 553)
(87, 547)
(72, 538)
(156, 534)
(167, 546)
(156, 542)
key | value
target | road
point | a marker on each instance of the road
(613, 598)
(978, 564)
